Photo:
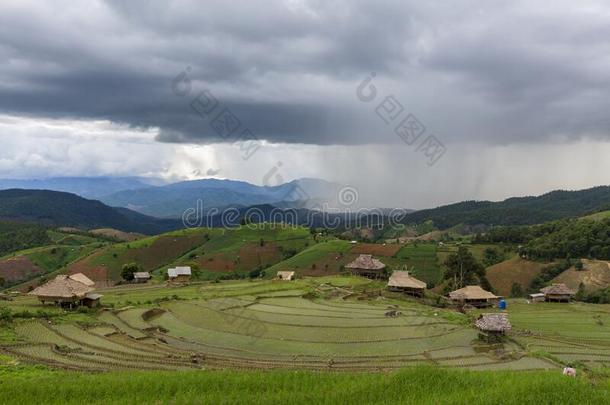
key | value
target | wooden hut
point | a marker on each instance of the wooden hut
(141, 277)
(179, 275)
(285, 275)
(91, 300)
(492, 327)
(73, 290)
(473, 295)
(367, 266)
(402, 281)
(557, 293)
(536, 297)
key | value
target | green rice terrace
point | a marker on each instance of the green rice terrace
(329, 323)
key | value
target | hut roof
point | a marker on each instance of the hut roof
(366, 262)
(471, 292)
(404, 279)
(93, 296)
(62, 286)
(493, 322)
(557, 289)
(179, 271)
(81, 278)
(285, 274)
(141, 274)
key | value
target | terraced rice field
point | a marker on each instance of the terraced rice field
(326, 324)
(572, 333)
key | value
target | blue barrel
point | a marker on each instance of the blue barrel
(502, 304)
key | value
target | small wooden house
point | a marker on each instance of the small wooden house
(492, 327)
(285, 275)
(557, 293)
(179, 275)
(473, 295)
(402, 281)
(141, 277)
(68, 290)
(536, 297)
(367, 266)
(92, 300)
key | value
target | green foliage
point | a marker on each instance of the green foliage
(492, 256)
(463, 269)
(417, 385)
(571, 238)
(516, 290)
(557, 239)
(128, 270)
(549, 273)
(20, 236)
(65, 209)
(597, 297)
(515, 211)
(6, 315)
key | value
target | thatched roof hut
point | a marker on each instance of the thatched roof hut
(81, 278)
(493, 323)
(64, 289)
(402, 281)
(558, 293)
(285, 275)
(366, 265)
(473, 295)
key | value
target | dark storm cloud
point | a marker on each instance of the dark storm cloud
(481, 71)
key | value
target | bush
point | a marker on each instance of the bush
(6, 315)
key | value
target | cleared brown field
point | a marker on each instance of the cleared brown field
(97, 273)
(116, 234)
(327, 265)
(17, 269)
(376, 249)
(106, 264)
(595, 276)
(516, 270)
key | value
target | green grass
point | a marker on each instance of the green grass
(423, 385)
(598, 216)
(574, 321)
(421, 260)
(56, 257)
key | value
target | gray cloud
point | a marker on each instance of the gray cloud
(472, 71)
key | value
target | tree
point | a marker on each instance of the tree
(463, 268)
(516, 290)
(128, 270)
(492, 256)
(581, 293)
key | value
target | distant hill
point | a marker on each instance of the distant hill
(173, 199)
(17, 236)
(64, 209)
(517, 210)
(88, 187)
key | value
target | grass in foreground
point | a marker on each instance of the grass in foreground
(417, 385)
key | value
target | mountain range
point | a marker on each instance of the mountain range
(174, 199)
(152, 209)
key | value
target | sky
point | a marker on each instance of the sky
(413, 104)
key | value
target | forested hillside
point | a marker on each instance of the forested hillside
(557, 239)
(518, 210)
(18, 236)
(63, 209)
